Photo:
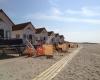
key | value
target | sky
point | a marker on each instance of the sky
(77, 20)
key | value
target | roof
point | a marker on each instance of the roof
(56, 34)
(61, 36)
(49, 33)
(39, 30)
(6, 16)
(20, 26)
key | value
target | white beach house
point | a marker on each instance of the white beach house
(5, 25)
(24, 31)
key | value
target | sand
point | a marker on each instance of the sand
(22, 68)
(85, 66)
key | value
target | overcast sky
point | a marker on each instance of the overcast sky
(77, 20)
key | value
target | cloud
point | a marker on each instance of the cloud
(55, 14)
(53, 2)
(40, 16)
(52, 14)
(55, 11)
(69, 11)
(85, 11)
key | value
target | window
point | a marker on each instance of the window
(1, 33)
(17, 36)
(7, 34)
(29, 28)
(52, 39)
(1, 19)
(44, 38)
(30, 36)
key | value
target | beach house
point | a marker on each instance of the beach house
(25, 31)
(51, 37)
(5, 25)
(41, 35)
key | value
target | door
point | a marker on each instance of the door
(30, 38)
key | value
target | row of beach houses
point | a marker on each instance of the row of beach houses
(8, 30)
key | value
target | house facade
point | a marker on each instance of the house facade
(25, 31)
(56, 38)
(41, 35)
(51, 37)
(5, 26)
(61, 40)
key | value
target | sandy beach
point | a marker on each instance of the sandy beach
(22, 68)
(85, 66)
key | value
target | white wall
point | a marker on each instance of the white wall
(42, 34)
(50, 39)
(6, 29)
(25, 31)
(20, 32)
(6, 24)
